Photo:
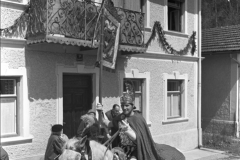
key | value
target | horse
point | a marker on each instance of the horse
(78, 149)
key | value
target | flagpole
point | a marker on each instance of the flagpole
(100, 55)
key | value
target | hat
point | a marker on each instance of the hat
(127, 98)
(91, 111)
(57, 128)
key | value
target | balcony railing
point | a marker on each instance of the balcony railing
(75, 19)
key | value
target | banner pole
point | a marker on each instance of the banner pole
(100, 56)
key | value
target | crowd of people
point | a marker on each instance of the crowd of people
(133, 134)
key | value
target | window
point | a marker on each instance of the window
(141, 83)
(176, 15)
(174, 98)
(9, 106)
(137, 85)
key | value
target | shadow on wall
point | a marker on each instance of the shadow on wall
(42, 76)
(216, 88)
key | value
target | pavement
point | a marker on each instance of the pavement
(207, 154)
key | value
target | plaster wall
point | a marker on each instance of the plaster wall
(41, 62)
(177, 42)
(218, 90)
(42, 89)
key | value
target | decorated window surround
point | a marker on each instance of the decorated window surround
(24, 133)
(185, 23)
(175, 76)
(146, 85)
(80, 69)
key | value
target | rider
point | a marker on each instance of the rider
(136, 139)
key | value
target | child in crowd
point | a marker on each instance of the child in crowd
(56, 142)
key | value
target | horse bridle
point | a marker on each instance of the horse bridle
(86, 149)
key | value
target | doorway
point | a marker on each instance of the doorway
(77, 100)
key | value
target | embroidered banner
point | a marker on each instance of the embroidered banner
(111, 40)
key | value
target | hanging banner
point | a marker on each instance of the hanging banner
(111, 40)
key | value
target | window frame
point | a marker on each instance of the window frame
(183, 18)
(135, 74)
(137, 92)
(179, 92)
(184, 79)
(24, 135)
(16, 95)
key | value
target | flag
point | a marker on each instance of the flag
(111, 35)
(111, 39)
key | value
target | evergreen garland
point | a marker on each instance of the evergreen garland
(158, 30)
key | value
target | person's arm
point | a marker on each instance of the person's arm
(58, 145)
(129, 132)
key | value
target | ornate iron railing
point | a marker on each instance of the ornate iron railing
(132, 27)
(77, 19)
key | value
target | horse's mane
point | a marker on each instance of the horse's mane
(100, 152)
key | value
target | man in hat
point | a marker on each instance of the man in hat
(56, 142)
(136, 139)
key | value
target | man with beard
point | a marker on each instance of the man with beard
(136, 139)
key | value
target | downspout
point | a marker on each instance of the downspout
(237, 109)
(199, 76)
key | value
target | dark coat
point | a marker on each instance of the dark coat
(147, 149)
(113, 130)
(109, 115)
(54, 146)
(4, 154)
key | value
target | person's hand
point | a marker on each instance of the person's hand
(108, 136)
(125, 126)
(99, 107)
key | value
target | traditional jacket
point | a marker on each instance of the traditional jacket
(54, 146)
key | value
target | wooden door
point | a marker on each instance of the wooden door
(77, 100)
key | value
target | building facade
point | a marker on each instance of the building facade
(48, 75)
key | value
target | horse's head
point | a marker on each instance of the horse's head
(78, 145)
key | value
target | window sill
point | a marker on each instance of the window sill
(148, 29)
(16, 140)
(13, 5)
(177, 120)
(178, 34)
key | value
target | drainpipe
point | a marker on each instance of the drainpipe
(237, 109)
(199, 76)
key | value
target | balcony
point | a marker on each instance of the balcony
(73, 22)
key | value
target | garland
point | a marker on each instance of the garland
(158, 30)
